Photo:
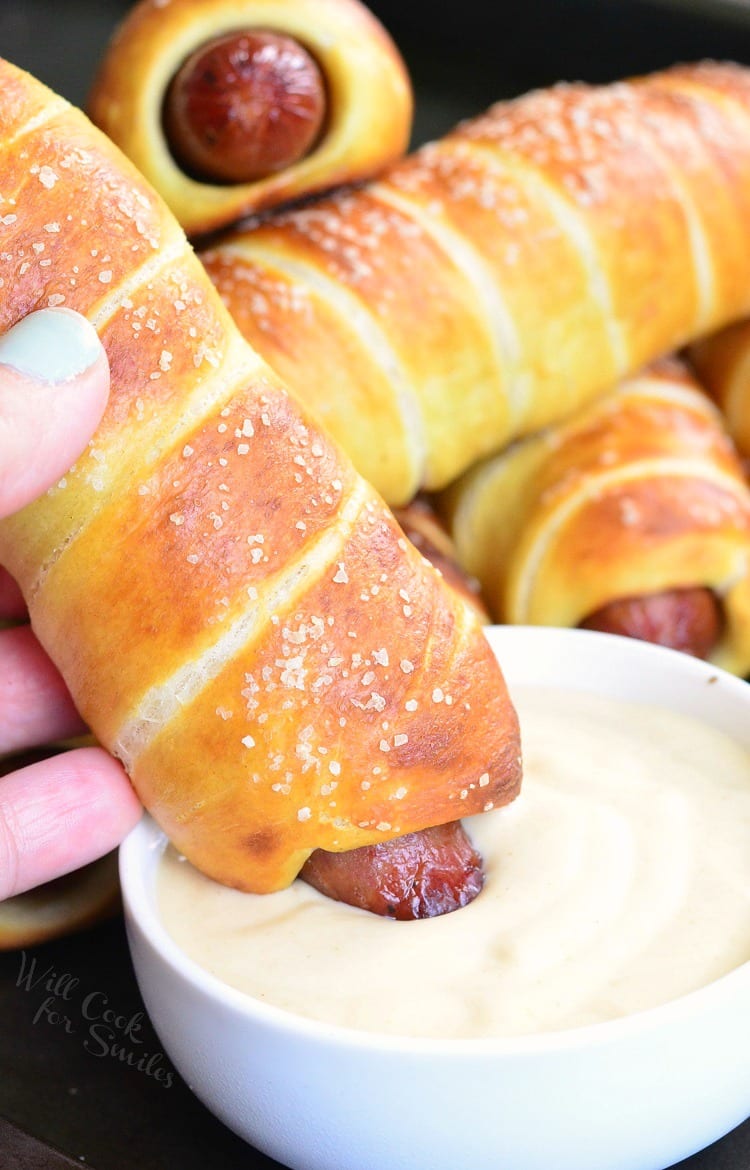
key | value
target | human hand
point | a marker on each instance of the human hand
(64, 811)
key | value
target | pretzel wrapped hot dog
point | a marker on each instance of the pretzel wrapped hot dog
(634, 516)
(236, 613)
(232, 106)
(498, 279)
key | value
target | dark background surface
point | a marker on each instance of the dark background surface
(462, 56)
(104, 1096)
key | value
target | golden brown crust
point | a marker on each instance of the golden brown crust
(298, 326)
(722, 362)
(369, 98)
(639, 493)
(507, 274)
(234, 610)
(379, 741)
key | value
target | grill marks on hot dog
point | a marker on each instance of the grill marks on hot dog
(419, 875)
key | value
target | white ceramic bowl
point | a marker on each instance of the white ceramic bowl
(637, 1093)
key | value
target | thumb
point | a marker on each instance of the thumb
(54, 383)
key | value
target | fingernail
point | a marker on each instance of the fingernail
(51, 345)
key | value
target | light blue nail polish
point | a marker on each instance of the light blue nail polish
(50, 345)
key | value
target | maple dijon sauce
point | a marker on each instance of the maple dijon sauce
(619, 879)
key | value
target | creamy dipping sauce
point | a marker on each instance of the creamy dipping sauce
(619, 879)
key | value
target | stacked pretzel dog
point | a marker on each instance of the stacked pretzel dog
(492, 284)
(477, 336)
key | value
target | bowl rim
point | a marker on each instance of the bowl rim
(141, 850)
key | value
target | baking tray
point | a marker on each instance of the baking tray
(97, 1095)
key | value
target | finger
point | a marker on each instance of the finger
(35, 707)
(54, 383)
(12, 606)
(60, 814)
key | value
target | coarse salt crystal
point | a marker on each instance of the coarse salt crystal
(47, 177)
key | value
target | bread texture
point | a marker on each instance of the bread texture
(236, 612)
(498, 279)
